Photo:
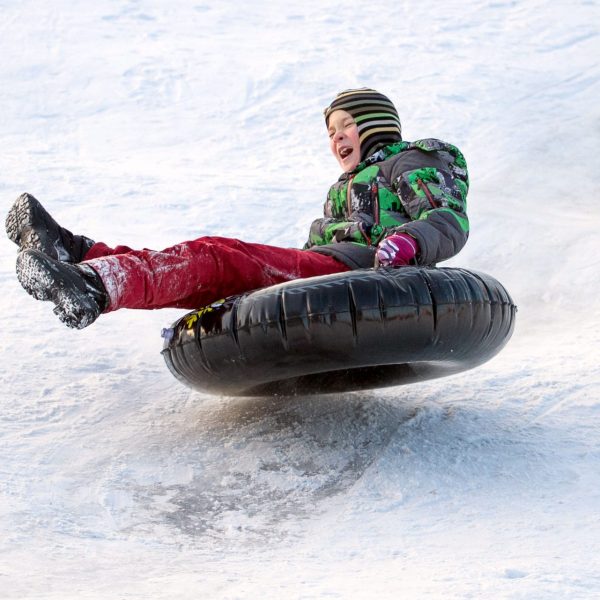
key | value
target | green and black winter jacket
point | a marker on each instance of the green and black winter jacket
(419, 188)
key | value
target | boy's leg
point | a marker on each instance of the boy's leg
(195, 273)
(188, 275)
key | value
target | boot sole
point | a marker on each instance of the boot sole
(19, 217)
(42, 279)
(20, 227)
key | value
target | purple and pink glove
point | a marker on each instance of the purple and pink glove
(396, 250)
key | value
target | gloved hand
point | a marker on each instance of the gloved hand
(396, 250)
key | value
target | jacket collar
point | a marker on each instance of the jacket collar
(379, 156)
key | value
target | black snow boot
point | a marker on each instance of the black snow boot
(29, 225)
(77, 291)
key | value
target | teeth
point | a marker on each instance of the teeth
(345, 152)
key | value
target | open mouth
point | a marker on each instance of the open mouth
(345, 152)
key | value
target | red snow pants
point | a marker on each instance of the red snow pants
(195, 273)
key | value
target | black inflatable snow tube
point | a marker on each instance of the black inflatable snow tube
(350, 331)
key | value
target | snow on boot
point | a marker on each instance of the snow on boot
(77, 291)
(29, 225)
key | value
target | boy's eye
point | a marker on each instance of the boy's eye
(345, 125)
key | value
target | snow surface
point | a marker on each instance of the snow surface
(147, 122)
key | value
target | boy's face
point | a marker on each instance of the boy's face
(343, 139)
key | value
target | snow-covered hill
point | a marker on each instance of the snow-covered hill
(147, 122)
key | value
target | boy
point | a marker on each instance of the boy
(396, 203)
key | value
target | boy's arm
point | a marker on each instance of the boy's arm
(438, 212)
(328, 230)
(435, 200)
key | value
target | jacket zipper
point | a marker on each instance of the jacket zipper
(348, 202)
(375, 198)
(427, 192)
(349, 212)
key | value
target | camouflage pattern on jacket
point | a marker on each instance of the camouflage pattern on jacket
(419, 188)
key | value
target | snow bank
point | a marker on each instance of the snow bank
(146, 123)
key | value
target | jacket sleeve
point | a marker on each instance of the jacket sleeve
(327, 230)
(435, 200)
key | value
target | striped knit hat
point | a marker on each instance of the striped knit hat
(377, 118)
